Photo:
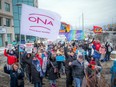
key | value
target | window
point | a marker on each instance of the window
(0, 21)
(7, 7)
(0, 5)
(8, 22)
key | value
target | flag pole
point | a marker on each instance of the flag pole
(19, 4)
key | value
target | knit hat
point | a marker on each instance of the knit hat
(92, 62)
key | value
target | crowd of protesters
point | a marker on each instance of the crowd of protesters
(81, 62)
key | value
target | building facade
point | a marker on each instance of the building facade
(6, 22)
(17, 16)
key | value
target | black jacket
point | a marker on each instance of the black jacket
(78, 69)
(51, 74)
(15, 77)
(35, 74)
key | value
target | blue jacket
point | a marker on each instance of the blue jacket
(113, 72)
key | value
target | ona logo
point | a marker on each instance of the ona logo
(37, 19)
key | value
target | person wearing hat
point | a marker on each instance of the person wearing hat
(78, 70)
(113, 77)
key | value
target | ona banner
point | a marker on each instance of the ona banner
(39, 22)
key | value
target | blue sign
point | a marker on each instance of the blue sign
(60, 58)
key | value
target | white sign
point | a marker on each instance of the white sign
(29, 47)
(9, 46)
(2, 30)
(39, 22)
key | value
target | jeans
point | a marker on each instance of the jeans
(69, 78)
(107, 56)
(77, 82)
(38, 84)
(52, 82)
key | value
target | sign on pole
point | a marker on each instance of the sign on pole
(39, 22)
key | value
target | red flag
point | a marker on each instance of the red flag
(97, 29)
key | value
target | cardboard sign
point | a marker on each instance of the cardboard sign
(60, 58)
(21, 47)
(10, 46)
(29, 47)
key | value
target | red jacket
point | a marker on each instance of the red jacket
(11, 59)
(40, 59)
(97, 45)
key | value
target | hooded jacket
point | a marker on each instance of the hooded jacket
(11, 59)
(113, 72)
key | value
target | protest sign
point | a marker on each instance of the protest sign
(60, 58)
(29, 47)
(10, 46)
(21, 47)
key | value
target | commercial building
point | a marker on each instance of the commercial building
(6, 22)
(17, 14)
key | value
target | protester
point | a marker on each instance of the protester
(11, 58)
(52, 70)
(35, 71)
(102, 51)
(109, 49)
(68, 69)
(16, 76)
(113, 77)
(78, 70)
(26, 59)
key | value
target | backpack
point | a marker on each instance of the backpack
(110, 49)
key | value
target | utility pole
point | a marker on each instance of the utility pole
(83, 22)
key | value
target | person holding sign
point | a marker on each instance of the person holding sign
(11, 58)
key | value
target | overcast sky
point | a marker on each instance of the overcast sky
(96, 12)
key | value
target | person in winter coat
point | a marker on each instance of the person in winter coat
(68, 69)
(78, 70)
(16, 76)
(109, 49)
(92, 72)
(26, 59)
(102, 51)
(52, 70)
(34, 63)
(97, 45)
(113, 77)
(11, 58)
